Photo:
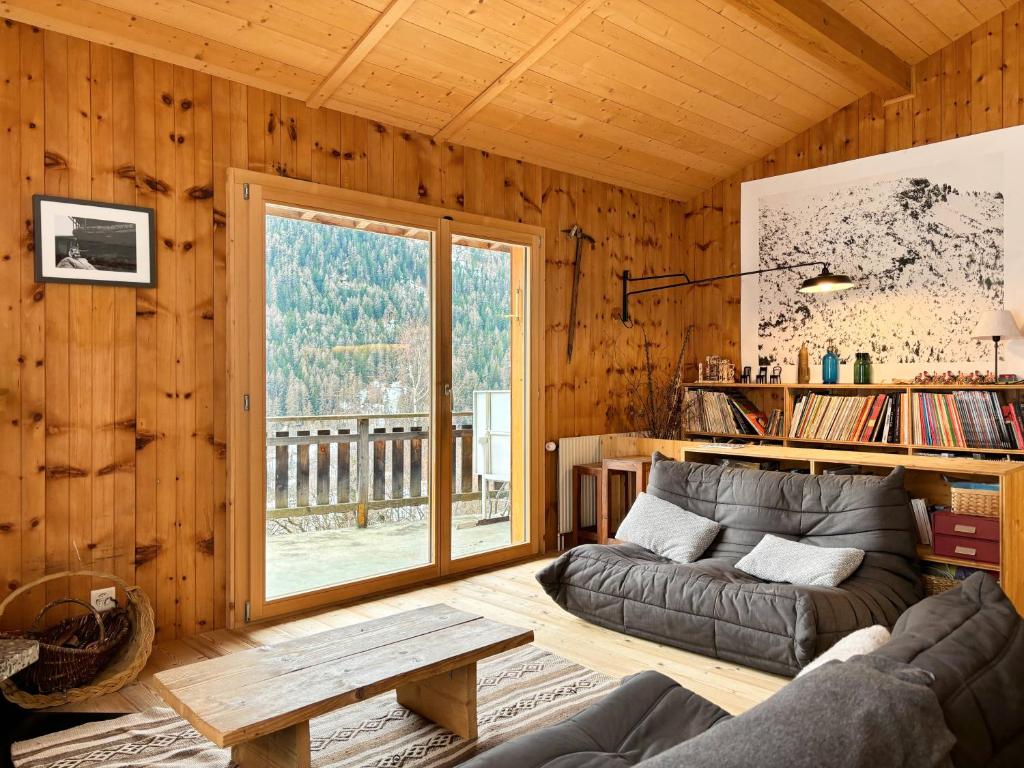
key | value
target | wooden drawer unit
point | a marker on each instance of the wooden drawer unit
(966, 526)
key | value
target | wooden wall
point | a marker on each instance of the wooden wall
(112, 400)
(970, 86)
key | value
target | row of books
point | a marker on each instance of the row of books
(966, 419)
(728, 414)
(847, 418)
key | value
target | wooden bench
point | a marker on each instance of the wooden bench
(259, 702)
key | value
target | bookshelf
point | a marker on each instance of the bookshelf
(784, 396)
(924, 478)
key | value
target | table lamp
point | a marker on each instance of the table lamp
(997, 324)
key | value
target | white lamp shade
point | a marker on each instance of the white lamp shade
(997, 322)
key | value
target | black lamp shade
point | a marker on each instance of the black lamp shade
(825, 282)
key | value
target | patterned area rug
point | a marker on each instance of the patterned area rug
(518, 692)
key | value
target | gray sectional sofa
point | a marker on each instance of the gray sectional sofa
(948, 689)
(712, 608)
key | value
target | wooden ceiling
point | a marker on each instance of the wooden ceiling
(665, 96)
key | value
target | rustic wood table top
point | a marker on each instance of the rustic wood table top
(17, 654)
(427, 655)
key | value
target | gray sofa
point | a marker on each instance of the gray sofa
(712, 608)
(948, 689)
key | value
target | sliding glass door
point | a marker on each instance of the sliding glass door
(347, 397)
(488, 337)
(386, 404)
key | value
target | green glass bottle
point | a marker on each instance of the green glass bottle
(862, 369)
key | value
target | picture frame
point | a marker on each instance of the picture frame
(89, 243)
(931, 236)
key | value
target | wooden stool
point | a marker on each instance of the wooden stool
(635, 470)
(579, 471)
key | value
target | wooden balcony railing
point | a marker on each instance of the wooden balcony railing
(360, 462)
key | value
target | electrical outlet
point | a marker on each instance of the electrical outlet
(103, 599)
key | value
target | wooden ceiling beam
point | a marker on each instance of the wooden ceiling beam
(832, 38)
(558, 33)
(358, 52)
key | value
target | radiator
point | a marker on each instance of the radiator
(573, 451)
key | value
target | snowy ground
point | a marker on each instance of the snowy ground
(300, 562)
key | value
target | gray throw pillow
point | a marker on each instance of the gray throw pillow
(666, 529)
(782, 560)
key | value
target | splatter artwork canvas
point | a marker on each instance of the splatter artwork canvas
(931, 237)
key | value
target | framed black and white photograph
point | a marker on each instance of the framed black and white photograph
(932, 236)
(78, 241)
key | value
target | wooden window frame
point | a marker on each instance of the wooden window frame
(248, 193)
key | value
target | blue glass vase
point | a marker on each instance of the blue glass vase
(830, 367)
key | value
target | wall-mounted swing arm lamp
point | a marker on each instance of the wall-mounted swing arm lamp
(822, 283)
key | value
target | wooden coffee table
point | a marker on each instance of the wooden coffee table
(259, 702)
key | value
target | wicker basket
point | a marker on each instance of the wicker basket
(61, 666)
(973, 501)
(124, 665)
(936, 585)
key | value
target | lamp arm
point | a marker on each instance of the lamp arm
(627, 279)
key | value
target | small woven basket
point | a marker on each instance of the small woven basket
(936, 585)
(973, 501)
(109, 669)
(97, 638)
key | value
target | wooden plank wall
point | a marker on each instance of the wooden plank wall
(112, 400)
(970, 86)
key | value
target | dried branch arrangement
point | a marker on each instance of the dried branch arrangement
(656, 404)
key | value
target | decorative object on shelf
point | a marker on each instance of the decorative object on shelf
(830, 365)
(825, 282)
(575, 232)
(862, 368)
(803, 366)
(776, 375)
(959, 379)
(762, 374)
(745, 378)
(79, 241)
(716, 370)
(850, 214)
(110, 669)
(655, 400)
(997, 325)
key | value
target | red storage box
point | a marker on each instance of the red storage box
(966, 526)
(966, 537)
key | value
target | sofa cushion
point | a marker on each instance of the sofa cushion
(777, 559)
(864, 713)
(646, 715)
(666, 529)
(972, 640)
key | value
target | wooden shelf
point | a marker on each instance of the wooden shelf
(847, 385)
(924, 552)
(857, 443)
(959, 449)
(950, 387)
(862, 387)
(791, 392)
(775, 438)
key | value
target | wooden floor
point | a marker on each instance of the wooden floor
(509, 594)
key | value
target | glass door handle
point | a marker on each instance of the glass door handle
(446, 390)
(517, 312)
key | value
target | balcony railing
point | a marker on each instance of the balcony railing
(358, 463)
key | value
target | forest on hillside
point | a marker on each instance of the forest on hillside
(348, 321)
